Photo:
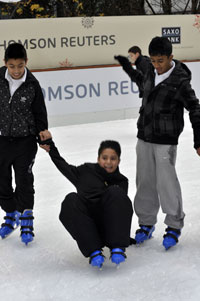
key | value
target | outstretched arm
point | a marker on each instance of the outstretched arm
(135, 75)
(69, 171)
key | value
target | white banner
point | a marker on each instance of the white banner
(56, 42)
(94, 90)
(87, 90)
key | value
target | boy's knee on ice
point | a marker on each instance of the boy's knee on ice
(68, 206)
(116, 197)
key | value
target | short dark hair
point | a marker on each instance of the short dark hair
(135, 49)
(15, 51)
(110, 144)
(160, 46)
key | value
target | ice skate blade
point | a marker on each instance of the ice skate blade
(98, 267)
(168, 247)
(26, 242)
(117, 264)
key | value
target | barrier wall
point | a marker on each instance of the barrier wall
(95, 40)
(93, 95)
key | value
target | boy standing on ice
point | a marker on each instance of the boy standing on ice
(99, 214)
(167, 91)
(23, 117)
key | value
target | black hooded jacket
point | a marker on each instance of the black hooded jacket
(142, 63)
(162, 112)
(24, 113)
(90, 180)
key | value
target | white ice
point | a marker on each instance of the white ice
(52, 267)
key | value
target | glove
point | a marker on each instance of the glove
(122, 60)
(125, 63)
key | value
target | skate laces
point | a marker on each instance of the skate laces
(27, 226)
(11, 223)
(173, 233)
(142, 234)
(171, 237)
(118, 255)
(97, 258)
(11, 219)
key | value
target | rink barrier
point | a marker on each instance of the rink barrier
(76, 95)
(94, 66)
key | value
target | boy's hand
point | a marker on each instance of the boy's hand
(46, 147)
(122, 60)
(45, 140)
(45, 135)
(198, 151)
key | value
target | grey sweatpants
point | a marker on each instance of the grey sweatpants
(157, 185)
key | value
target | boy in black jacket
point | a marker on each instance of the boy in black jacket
(100, 213)
(141, 62)
(136, 57)
(167, 91)
(23, 118)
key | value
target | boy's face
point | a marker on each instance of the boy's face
(162, 63)
(133, 56)
(109, 160)
(16, 67)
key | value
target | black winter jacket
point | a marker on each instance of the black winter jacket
(24, 113)
(90, 180)
(142, 63)
(161, 115)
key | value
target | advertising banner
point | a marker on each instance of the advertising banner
(64, 42)
(87, 90)
(94, 90)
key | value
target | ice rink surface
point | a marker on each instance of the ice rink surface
(52, 267)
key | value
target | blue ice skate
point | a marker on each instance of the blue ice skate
(11, 223)
(27, 226)
(118, 255)
(171, 237)
(96, 259)
(144, 233)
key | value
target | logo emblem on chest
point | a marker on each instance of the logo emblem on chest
(23, 99)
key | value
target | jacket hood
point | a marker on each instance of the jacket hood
(2, 71)
(181, 70)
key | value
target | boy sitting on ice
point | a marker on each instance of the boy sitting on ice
(99, 214)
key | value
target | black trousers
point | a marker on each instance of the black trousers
(94, 226)
(17, 157)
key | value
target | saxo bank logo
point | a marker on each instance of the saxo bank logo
(172, 33)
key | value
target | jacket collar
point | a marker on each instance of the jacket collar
(180, 73)
(29, 76)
